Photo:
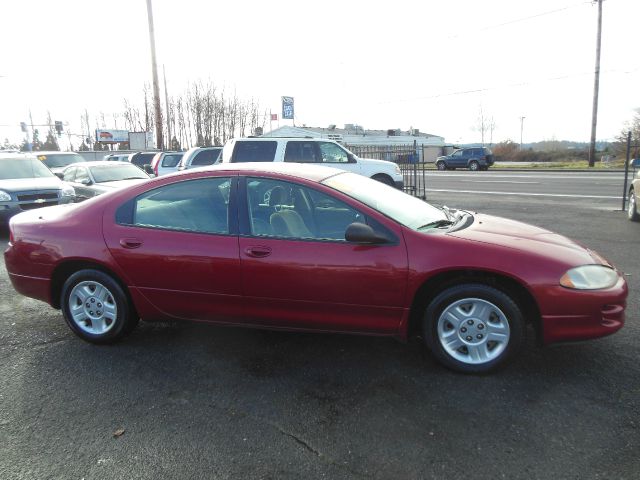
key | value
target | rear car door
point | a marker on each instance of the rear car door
(178, 246)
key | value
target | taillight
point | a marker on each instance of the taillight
(10, 235)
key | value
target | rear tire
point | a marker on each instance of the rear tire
(473, 328)
(441, 166)
(96, 308)
(632, 209)
(474, 166)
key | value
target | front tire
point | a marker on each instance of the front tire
(473, 328)
(632, 209)
(384, 179)
(96, 308)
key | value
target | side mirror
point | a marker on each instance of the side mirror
(85, 181)
(360, 233)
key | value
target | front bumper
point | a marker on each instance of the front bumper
(573, 315)
(399, 184)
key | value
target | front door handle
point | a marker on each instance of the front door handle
(130, 242)
(258, 251)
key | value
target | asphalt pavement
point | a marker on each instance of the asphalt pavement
(196, 401)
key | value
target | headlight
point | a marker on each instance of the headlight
(68, 191)
(398, 169)
(589, 277)
(4, 196)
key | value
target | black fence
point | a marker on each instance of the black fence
(407, 157)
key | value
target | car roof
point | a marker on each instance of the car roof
(54, 153)
(315, 173)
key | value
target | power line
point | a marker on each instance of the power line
(519, 20)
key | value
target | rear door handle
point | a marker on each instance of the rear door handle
(130, 242)
(258, 251)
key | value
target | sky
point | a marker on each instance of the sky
(430, 65)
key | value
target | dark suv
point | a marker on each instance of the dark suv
(479, 158)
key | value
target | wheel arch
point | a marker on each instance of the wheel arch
(432, 286)
(383, 178)
(67, 268)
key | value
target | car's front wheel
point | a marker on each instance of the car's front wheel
(96, 308)
(473, 328)
(632, 209)
(441, 166)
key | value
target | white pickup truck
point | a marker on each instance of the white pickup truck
(310, 150)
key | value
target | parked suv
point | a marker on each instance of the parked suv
(199, 157)
(26, 183)
(166, 162)
(479, 158)
(310, 150)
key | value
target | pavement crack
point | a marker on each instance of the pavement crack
(299, 441)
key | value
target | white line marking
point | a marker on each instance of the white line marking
(497, 181)
(523, 194)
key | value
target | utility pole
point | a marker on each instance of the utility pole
(596, 88)
(521, 128)
(156, 88)
(166, 103)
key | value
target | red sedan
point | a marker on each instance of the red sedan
(311, 248)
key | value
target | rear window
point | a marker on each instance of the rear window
(254, 152)
(59, 159)
(205, 157)
(142, 159)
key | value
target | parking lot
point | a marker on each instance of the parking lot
(196, 401)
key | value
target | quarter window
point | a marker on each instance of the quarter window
(192, 206)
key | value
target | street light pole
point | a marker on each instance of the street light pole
(156, 88)
(521, 128)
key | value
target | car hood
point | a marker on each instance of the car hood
(522, 236)
(22, 184)
(380, 163)
(120, 183)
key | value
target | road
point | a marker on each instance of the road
(196, 401)
(600, 190)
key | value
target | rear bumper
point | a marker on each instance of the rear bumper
(33, 287)
(574, 315)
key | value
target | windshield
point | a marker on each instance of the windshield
(23, 168)
(59, 159)
(404, 209)
(111, 173)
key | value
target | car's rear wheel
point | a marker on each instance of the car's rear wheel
(632, 209)
(473, 165)
(441, 166)
(96, 308)
(473, 328)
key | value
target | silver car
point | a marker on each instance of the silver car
(26, 183)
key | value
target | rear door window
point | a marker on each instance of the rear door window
(254, 152)
(301, 152)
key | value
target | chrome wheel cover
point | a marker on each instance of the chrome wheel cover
(92, 307)
(473, 331)
(632, 204)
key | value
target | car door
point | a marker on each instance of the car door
(298, 271)
(178, 246)
(82, 184)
